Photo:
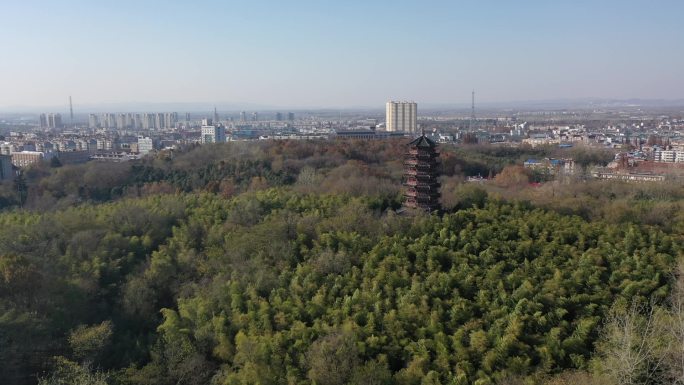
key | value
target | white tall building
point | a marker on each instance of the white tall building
(170, 119)
(137, 122)
(145, 145)
(121, 122)
(108, 120)
(159, 120)
(213, 134)
(93, 121)
(402, 116)
(148, 121)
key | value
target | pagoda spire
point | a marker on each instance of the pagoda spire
(421, 174)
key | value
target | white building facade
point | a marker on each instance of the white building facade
(401, 116)
(213, 134)
(145, 145)
(669, 156)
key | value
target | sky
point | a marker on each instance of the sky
(342, 53)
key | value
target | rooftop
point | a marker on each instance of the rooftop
(423, 141)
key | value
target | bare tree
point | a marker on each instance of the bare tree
(633, 343)
(673, 325)
(578, 378)
(333, 359)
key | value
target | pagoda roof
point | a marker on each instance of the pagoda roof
(423, 142)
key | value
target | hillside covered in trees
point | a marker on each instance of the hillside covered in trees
(286, 263)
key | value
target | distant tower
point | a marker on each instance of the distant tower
(71, 111)
(420, 175)
(216, 116)
(472, 111)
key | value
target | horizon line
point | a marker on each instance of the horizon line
(238, 106)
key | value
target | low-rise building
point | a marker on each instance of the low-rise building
(26, 158)
(668, 156)
(551, 165)
(540, 140)
(73, 157)
(629, 177)
(7, 148)
(146, 145)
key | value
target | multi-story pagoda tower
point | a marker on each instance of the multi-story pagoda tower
(420, 175)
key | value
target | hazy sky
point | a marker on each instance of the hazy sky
(339, 53)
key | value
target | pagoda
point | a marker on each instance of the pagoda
(420, 175)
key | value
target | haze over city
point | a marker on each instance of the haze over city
(312, 54)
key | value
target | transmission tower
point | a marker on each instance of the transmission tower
(71, 112)
(472, 111)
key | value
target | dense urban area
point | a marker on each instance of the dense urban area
(648, 144)
(282, 248)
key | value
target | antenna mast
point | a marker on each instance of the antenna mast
(472, 111)
(71, 111)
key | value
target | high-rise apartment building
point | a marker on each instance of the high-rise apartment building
(148, 121)
(402, 116)
(55, 121)
(170, 119)
(137, 122)
(159, 120)
(130, 120)
(51, 120)
(213, 134)
(108, 120)
(121, 122)
(93, 121)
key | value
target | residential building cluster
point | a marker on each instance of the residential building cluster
(117, 137)
(551, 166)
(50, 120)
(123, 136)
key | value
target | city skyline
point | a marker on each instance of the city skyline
(312, 55)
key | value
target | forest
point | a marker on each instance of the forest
(287, 262)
